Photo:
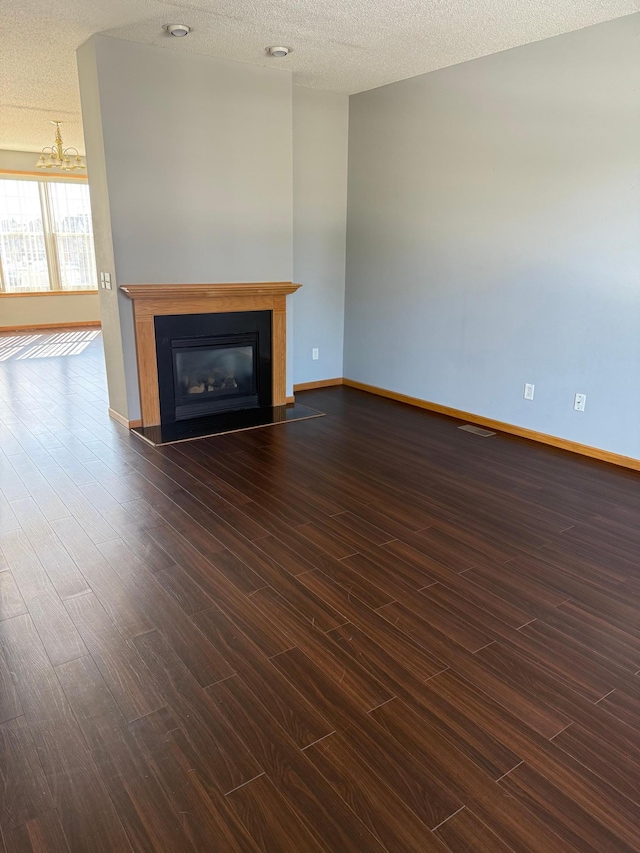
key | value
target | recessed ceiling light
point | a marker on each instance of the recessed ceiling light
(177, 30)
(279, 52)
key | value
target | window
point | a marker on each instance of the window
(22, 248)
(46, 237)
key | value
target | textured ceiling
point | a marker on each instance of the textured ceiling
(339, 45)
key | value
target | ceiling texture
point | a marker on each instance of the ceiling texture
(339, 45)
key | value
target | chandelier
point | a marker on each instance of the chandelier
(57, 157)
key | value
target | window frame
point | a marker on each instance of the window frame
(50, 244)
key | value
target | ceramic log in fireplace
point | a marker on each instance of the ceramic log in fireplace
(202, 348)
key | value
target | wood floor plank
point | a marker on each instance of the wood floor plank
(11, 602)
(396, 521)
(571, 823)
(10, 705)
(560, 769)
(137, 525)
(166, 508)
(184, 589)
(311, 503)
(27, 570)
(497, 679)
(518, 587)
(195, 497)
(334, 545)
(620, 771)
(465, 833)
(142, 805)
(92, 521)
(63, 573)
(42, 834)
(363, 688)
(8, 520)
(215, 748)
(394, 585)
(395, 645)
(87, 815)
(112, 481)
(200, 465)
(96, 493)
(58, 634)
(354, 581)
(462, 622)
(13, 488)
(225, 594)
(586, 671)
(484, 748)
(238, 572)
(415, 574)
(39, 489)
(283, 530)
(511, 614)
(552, 702)
(614, 644)
(270, 819)
(71, 465)
(432, 796)
(162, 609)
(317, 805)
(117, 660)
(322, 693)
(304, 722)
(205, 814)
(102, 579)
(312, 607)
(624, 708)
(354, 531)
(516, 825)
(386, 814)
(24, 793)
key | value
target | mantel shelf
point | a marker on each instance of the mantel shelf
(186, 291)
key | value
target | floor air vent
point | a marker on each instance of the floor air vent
(485, 433)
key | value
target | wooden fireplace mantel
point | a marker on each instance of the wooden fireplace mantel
(152, 300)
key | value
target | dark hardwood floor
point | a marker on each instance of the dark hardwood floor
(370, 631)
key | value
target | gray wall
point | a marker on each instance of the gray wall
(494, 236)
(197, 160)
(112, 337)
(320, 130)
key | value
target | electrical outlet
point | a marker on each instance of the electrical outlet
(579, 402)
(528, 391)
(315, 355)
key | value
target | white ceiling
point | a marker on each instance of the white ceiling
(339, 45)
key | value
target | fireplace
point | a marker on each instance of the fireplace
(210, 364)
(153, 303)
(211, 359)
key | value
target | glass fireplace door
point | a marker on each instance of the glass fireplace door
(212, 378)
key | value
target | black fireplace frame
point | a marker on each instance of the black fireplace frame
(183, 331)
